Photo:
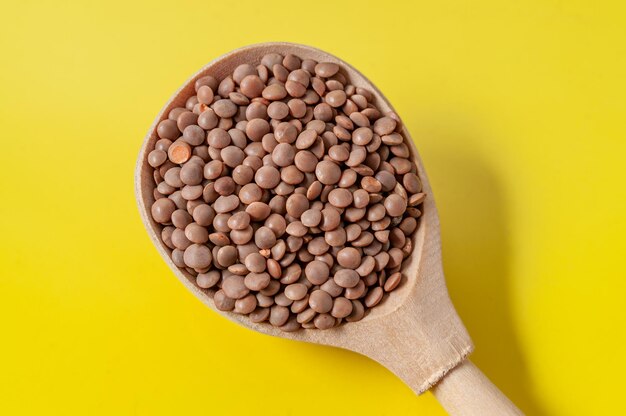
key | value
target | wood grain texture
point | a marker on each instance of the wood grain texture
(466, 391)
(415, 332)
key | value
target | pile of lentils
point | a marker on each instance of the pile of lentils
(286, 194)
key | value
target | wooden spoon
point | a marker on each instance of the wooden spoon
(415, 332)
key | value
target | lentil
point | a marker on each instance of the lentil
(286, 193)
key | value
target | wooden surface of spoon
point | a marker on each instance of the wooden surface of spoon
(415, 332)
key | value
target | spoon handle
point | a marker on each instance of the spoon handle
(466, 391)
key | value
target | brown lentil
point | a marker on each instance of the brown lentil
(286, 193)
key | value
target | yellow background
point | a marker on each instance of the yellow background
(518, 109)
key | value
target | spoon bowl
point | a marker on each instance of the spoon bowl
(415, 332)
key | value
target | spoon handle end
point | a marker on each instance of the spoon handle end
(466, 391)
